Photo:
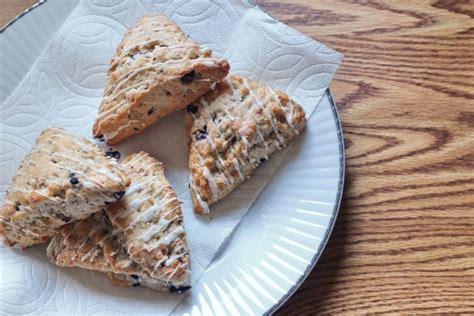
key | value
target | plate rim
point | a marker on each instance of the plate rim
(22, 13)
(335, 212)
(341, 180)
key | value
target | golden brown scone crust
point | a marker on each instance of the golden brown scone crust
(91, 244)
(150, 217)
(64, 178)
(155, 71)
(231, 131)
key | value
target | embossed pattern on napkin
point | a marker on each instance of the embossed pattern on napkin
(64, 88)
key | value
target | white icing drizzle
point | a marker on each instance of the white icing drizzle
(158, 45)
(102, 171)
(242, 137)
(210, 62)
(145, 216)
(198, 195)
(257, 128)
(122, 80)
(135, 160)
(259, 133)
(245, 152)
(212, 182)
(154, 229)
(289, 117)
(179, 249)
(129, 89)
(227, 176)
(145, 171)
(288, 114)
(138, 193)
(85, 179)
(158, 264)
(134, 187)
(90, 234)
(171, 273)
(171, 236)
(93, 253)
(245, 142)
(134, 203)
(241, 134)
(32, 218)
(152, 234)
(113, 134)
(34, 215)
(237, 168)
(140, 32)
(207, 174)
(265, 111)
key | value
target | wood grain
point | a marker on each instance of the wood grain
(404, 239)
(11, 8)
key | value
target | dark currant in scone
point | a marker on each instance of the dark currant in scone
(201, 133)
(191, 108)
(113, 154)
(118, 195)
(189, 77)
(179, 289)
(73, 179)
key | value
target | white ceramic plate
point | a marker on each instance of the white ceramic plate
(280, 239)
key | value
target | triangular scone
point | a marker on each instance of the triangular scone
(156, 70)
(64, 178)
(150, 217)
(94, 244)
(231, 131)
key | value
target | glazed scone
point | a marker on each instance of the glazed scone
(145, 245)
(149, 215)
(93, 244)
(155, 71)
(231, 131)
(63, 179)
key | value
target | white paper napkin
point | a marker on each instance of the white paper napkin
(64, 88)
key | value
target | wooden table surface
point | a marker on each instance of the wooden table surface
(404, 239)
